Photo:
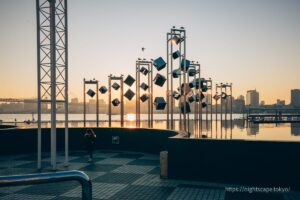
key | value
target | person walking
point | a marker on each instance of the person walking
(90, 138)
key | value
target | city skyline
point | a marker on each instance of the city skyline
(254, 45)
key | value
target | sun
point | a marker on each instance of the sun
(130, 117)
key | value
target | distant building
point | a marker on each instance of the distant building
(30, 105)
(239, 104)
(295, 97)
(74, 100)
(241, 97)
(280, 102)
(262, 103)
(252, 98)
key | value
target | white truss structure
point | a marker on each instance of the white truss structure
(52, 67)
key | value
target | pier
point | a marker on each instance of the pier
(277, 115)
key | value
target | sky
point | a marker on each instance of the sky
(254, 44)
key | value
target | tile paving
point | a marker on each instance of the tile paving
(117, 175)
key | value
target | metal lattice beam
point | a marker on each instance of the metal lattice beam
(52, 66)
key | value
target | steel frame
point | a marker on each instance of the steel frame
(149, 64)
(110, 79)
(181, 33)
(209, 104)
(52, 68)
(197, 105)
(96, 83)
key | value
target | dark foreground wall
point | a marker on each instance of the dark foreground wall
(256, 163)
(14, 141)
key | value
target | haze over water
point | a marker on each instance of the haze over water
(240, 128)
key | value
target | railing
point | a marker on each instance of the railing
(53, 177)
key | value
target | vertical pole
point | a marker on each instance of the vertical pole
(122, 101)
(184, 81)
(66, 87)
(211, 106)
(231, 111)
(188, 114)
(231, 102)
(226, 102)
(221, 87)
(216, 120)
(53, 83)
(206, 109)
(216, 103)
(172, 88)
(151, 95)
(84, 104)
(39, 146)
(97, 103)
(195, 103)
(109, 100)
(180, 82)
(137, 97)
(200, 102)
(168, 95)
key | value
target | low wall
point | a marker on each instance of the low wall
(256, 163)
(15, 141)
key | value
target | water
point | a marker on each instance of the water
(239, 129)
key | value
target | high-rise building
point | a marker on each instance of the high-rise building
(239, 104)
(252, 98)
(295, 97)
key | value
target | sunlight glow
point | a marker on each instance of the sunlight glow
(130, 117)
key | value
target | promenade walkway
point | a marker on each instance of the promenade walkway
(118, 175)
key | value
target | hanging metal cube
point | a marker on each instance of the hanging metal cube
(144, 97)
(129, 80)
(192, 98)
(176, 73)
(202, 96)
(176, 54)
(192, 71)
(224, 95)
(176, 95)
(102, 89)
(129, 94)
(144, 70)
(91, 93)
(159, 80)
(194, 83)
(216, 97)
(116, 102)
(204, 88)
(160, 103)
(187, 107)
(203, 82)
(159, 63)
(144, 86)
(115, 85)
(187, 64)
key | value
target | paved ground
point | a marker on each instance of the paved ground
(119, 175)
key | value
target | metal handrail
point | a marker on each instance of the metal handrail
(52, 177)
